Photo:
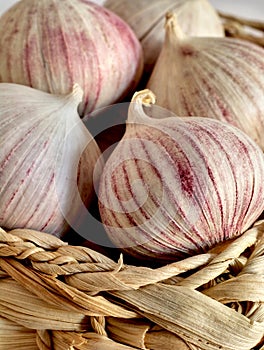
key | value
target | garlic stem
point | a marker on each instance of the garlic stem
(172, 26)
(74, 97)
(145, 97)
(141, 98)
(77, 93)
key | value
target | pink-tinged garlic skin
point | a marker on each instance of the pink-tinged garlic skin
(52, 44)
(147, 19)
(221, 78)
(175, 187)
(47, 160)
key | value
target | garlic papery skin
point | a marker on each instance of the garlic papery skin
(174, 187)
(221, 78)
(146, 18)
(52, 44)
(47, 160)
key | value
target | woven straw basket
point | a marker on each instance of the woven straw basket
(59, 296)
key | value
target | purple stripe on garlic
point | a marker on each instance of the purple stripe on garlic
(174, 187)
(47, 160)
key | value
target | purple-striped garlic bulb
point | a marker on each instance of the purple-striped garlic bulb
(146, 18)
(47, 160)
(52, 44)
(174, 187)
(221, 78)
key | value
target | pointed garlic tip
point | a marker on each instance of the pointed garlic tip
(145, 97)
(136, 112)
(172, 25)
(77, 93)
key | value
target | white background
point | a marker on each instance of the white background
(246, 8)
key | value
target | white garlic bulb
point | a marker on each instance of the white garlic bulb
(220, 78)
(52, 44)
(146, 18)
(47, 159)
(174, 187)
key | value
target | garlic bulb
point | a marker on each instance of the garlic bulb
(146, 18)
(52, 44)
(47, 159)
(222, 78)
(174, 187)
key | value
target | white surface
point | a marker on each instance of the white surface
(246, 8)
(5, 4)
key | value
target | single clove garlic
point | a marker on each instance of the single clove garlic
(52, 44)
(146, 18)
(175, 187)
(221, 78)
(47, 160)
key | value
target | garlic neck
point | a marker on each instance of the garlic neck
(76, 94)
(136, 113)
(173, 30)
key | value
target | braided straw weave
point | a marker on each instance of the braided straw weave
(57, 296)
